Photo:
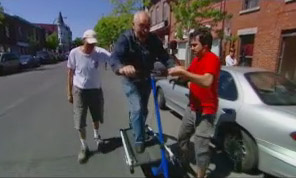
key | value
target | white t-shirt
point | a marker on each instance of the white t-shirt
(86, 67)
(230, 61)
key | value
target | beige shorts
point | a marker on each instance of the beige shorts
(84, 99)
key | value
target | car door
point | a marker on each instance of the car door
(178, 95)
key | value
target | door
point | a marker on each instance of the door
(287, 61)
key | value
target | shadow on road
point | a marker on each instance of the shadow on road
(223, 165)
(110, 145)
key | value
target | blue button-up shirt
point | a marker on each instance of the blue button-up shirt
(129, 51)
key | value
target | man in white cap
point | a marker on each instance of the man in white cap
(84, 87)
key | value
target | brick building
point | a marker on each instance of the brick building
(160, 12)
(265, 31)
(17, 35)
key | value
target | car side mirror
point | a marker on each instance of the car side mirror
(228, 111)
(187, 95)
(171, 81)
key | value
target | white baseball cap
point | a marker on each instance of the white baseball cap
(90, 36)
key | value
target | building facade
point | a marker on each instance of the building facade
(62, 30)
(160, 13)
(263, 32)
(64, 34)
(19, 36)
(266, 32)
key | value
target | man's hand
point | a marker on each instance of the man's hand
(70, 98)
(177, 71)
(128, 71)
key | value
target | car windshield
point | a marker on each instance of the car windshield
(272, 88)
(10, 56)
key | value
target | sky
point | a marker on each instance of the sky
(79, 15)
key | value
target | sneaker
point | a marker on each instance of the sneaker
(140, 148)
(99, 142)
(83, 155)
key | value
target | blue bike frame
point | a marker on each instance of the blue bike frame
(163, 167)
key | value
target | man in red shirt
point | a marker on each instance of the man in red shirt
(198, 120)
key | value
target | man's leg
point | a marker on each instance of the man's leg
(135, 111)
(145, 94)
(96, 107)
(186, 130)
(80, 111)
(202, 139)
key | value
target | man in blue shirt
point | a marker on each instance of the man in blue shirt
(133, 57)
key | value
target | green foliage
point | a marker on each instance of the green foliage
(126, 6)
(110, 27)
(1, 14)
(33, 44)
(77, 42)
(191, 14)
(52, 41)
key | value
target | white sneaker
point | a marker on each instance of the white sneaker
(99, 142)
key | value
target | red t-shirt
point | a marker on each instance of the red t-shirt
(205, 99)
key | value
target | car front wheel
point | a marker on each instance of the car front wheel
(161, 99)
(241, 149)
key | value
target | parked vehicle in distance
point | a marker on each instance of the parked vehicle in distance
(9, 63)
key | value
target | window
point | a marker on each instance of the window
(7, 31)
(273, 89)
(10, 57)
(166, 11)
(20, 32)
(227, 89)
(246, 50)
(249, 4)
(158, 15)
(181, 82)
(153, 17)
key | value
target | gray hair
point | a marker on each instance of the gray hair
(139, 14)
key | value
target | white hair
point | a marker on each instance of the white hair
(139, 14)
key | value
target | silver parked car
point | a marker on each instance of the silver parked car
(256, 118)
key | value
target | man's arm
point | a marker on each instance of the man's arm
(205, 80)
(70, 85)
(70, 73)
(119, 53)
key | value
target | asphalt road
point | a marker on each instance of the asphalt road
(37, 137)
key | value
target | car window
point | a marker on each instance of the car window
(272, 88)
(9, 57)
(227, 88)
(181, 83)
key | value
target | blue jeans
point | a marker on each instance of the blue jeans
(138, 96)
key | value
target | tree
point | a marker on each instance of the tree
(1, 14)
(33, 44)
(128, 6)
(52, 41)
(110, 27)
(77, 42)
(190, 14)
